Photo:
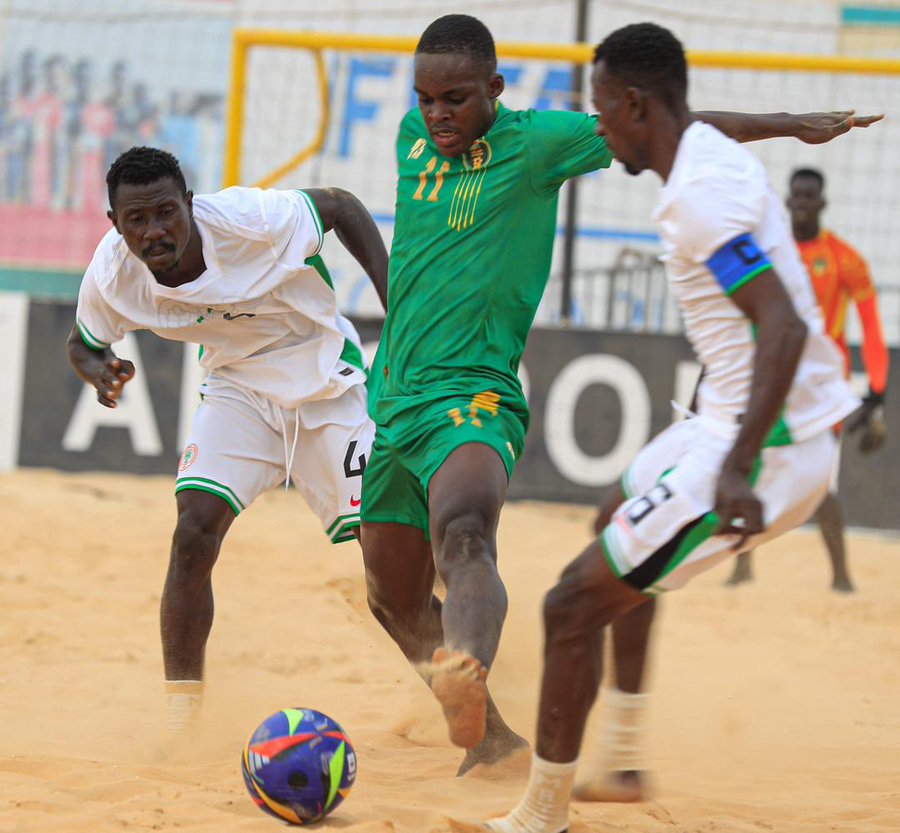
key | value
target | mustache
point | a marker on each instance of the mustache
(156, 249)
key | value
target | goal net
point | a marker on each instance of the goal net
(314, 109)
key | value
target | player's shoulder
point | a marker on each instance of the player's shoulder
(109, 259)
(562, 122)
(709, 153)
(248, 211)
(237, 203)
(710, 169)
(714, 193)
(840, 246)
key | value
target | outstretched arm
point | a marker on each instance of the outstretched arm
(812, 128)
(356, 230)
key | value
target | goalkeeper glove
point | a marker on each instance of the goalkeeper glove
(870, 418)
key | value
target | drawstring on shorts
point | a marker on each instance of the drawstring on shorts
(289, 453)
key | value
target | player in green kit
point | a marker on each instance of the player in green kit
(475, 222)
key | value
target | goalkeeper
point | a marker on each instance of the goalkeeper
(839, 274)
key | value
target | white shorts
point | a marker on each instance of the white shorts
(664, 532)
(242, 444)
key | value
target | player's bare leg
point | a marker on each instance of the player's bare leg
(830, 518)
(612, 766)
(465, 498)
(400, 588)
(186, 607)
(587, 597)
(743, 569)
(400, 576)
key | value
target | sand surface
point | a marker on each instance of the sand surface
(776, 706)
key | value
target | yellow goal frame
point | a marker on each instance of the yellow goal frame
(573, 53)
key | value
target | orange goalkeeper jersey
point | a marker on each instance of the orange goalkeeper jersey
(839, 274)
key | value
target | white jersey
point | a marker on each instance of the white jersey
(717, 194)
(264, 311)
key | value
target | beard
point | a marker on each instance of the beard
(159, 274)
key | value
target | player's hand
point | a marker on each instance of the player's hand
(108, 374)
(817, 128)
(739, 510)
(870, 420)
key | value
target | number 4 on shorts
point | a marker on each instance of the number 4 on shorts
(349, 471)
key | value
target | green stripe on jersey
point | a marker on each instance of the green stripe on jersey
(89, 338)
(352, 355)
(319, 265)
(317, 218)
(779, 435)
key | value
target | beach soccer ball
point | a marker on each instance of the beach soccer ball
(298, 765)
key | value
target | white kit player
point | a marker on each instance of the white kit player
(756, 459)
(239, 273)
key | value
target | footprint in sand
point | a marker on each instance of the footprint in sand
(457, 681)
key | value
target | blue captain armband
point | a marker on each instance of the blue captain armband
(737, 262)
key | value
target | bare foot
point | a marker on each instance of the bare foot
(457, 681)
(843, 585)
(621, 787)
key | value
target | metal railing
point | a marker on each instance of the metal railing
(633, 295)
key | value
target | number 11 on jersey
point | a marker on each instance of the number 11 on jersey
(438, 180)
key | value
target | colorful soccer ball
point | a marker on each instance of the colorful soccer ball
(298, 765)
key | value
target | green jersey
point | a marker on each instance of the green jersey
(471, 255)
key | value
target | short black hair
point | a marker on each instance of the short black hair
(647, 56)
(810, 173)
(141, 166)
(459, 33)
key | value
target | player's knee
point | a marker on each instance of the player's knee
(569, 612)
(195, 544)
(463, 539)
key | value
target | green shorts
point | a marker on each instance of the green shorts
(414, 445)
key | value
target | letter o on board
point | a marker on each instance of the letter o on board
(559, 419)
